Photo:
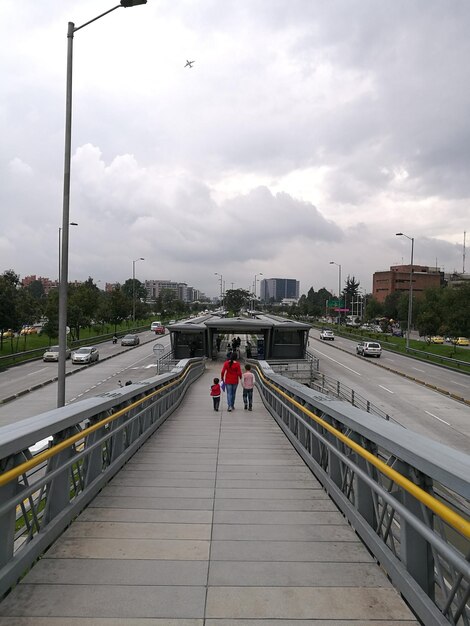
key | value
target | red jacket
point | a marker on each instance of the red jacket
(215, 390)
(231, 372)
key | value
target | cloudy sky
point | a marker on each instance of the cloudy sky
(308, 131)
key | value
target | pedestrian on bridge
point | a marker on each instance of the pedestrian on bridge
(231, 374)
(216, 393)
(248, 382)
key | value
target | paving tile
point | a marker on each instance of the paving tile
(287, 574)
(304, 603)
(138, 530)
(70, 571)
(285, 532)
(112, 601)
(90, 548)
(156, 516)
(131, 502)
(289, 551)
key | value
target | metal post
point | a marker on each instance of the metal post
(64, 255)
(410, 290)
(133, 286)
(64, 260)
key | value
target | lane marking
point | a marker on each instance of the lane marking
(438, 418)
(337, 362)
(460, 384)
(418, 370)
(37, 371)
(382, 387)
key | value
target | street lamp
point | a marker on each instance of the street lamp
(339, 288)
(259, 274)
(64, 258)
(133, 285)
(60, 242)
(221, 288)
(410, 290)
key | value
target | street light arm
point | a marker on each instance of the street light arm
(124, 3)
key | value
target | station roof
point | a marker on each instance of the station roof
(239, 325)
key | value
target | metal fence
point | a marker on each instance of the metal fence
(331, 386)
(406, 496)
(41, 492)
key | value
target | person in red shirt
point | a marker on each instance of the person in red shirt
(215, 393)
(231, 374)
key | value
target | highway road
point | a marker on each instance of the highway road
(135, 363)
(413, 405)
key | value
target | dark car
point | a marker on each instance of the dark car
(130, 340)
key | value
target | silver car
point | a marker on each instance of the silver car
(52, 354)
(85, 355)
(130, 340)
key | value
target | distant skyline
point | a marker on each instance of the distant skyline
(305, 133)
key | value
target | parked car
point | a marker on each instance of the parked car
(130, 340)
(327, 335)
(85, 355)
(369, 348)
(437, 339)
(397, 332)
(461, 341)
(52, 354)
(8, 333)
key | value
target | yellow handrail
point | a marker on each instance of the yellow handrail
(452, 518)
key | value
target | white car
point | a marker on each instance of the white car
(369, 348)
(327, 335)
(85, 355)
(52, 354)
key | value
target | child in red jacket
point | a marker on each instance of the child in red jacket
(215, 393)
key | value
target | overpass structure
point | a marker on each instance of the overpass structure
(148, 507)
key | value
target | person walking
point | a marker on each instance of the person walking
(215, 394)
(231, 374)
(248, 382)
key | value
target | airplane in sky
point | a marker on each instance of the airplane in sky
(189, 63)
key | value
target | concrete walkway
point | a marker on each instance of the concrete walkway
(216, 521)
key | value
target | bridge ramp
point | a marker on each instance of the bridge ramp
(216, 521)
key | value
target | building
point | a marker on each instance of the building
(181, 290)
(397, 278)
(47, 283)
(278, 289)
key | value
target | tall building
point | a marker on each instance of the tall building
(277, 289)
(397, 278)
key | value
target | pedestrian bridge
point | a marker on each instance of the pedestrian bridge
(149, 508)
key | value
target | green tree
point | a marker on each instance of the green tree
(140, 290)
(374, 309)
(349, 293)
(9, 286)
(236, 299)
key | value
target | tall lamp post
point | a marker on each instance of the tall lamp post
(133, 285)
(410, 290)
(221, 288)
(64, 259)
(60, 242)
(339, 287)
(256, 275)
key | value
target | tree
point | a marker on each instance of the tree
(349, 293)
(9, 282)
(140, 290)
(374, 309)
(236, 299)
(36, 290)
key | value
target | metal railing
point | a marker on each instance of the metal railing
(406, 496)
(40, 494)
(330, 386)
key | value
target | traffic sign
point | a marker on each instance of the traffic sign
(332, 303)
